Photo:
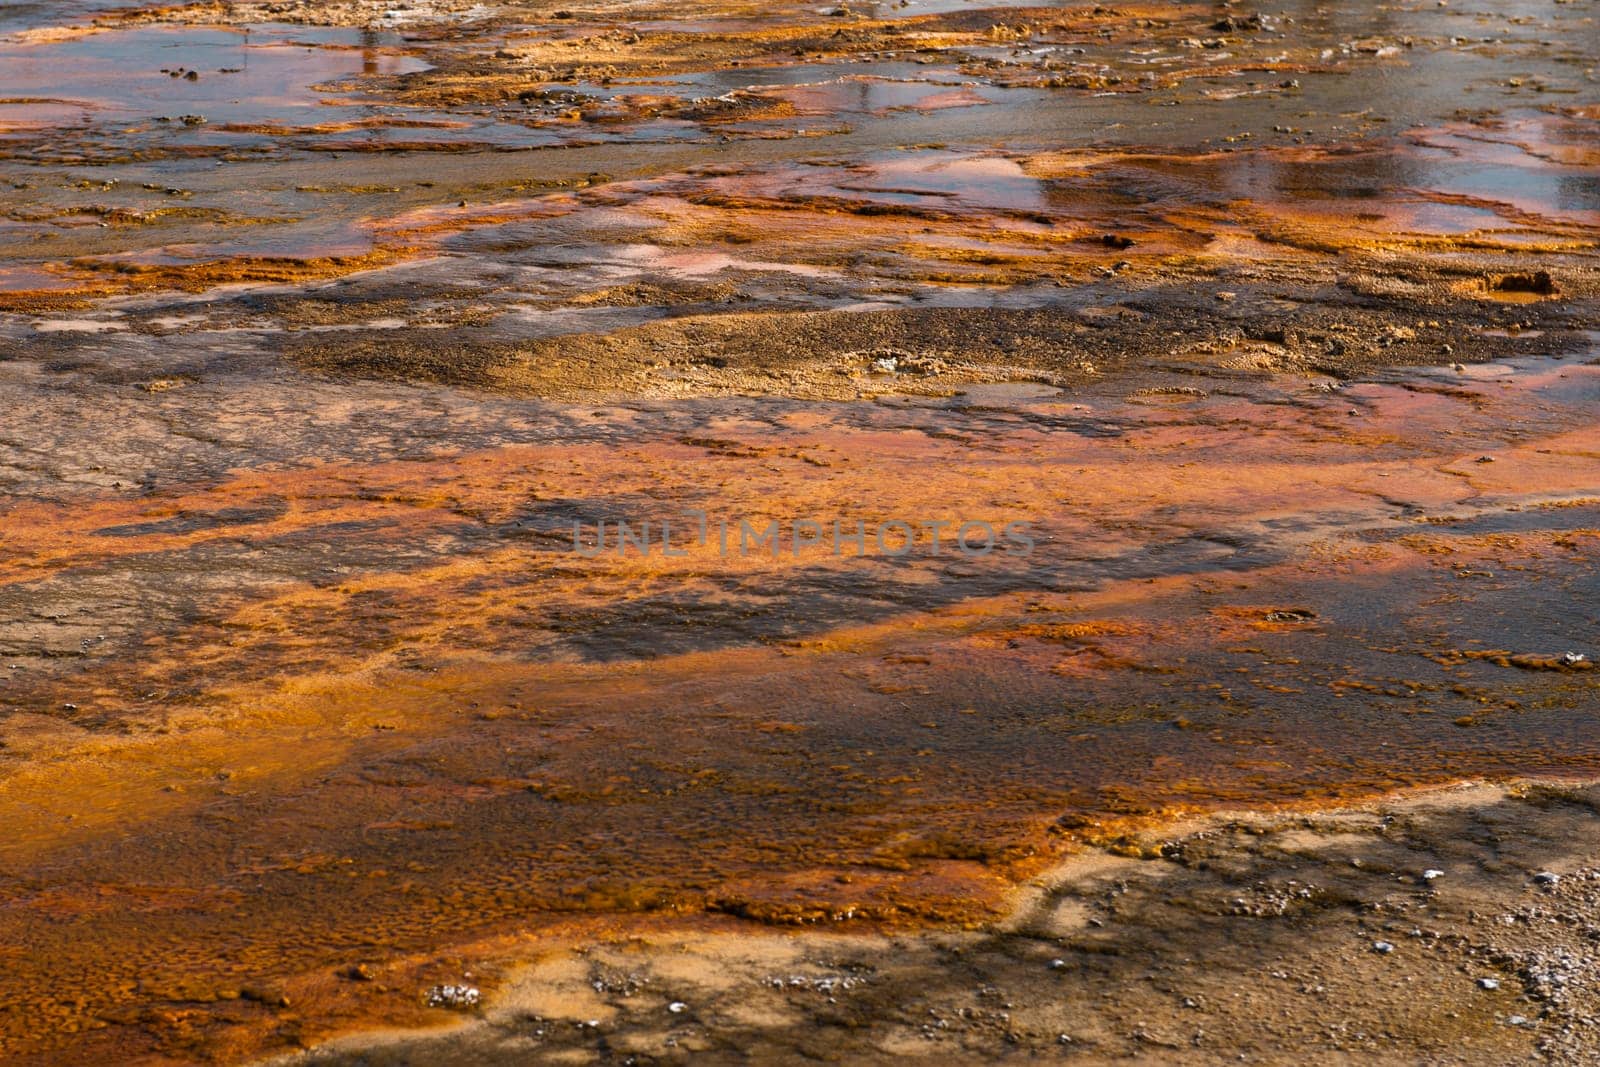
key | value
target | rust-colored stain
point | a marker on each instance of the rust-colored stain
(332, 339)
(474, 732)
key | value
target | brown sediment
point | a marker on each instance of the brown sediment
(350, 126)
(310, 702)
(790, 217)
(339, 739)
(1431, 924)
(86, 279)
(982, 247)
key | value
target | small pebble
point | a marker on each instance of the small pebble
(453, 996)
(1383, 948)
(1488, 983)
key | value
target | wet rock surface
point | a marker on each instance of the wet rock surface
(1225, 942)
(1276, 331)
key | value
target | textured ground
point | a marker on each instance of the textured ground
(1453, 927)
(322, 326)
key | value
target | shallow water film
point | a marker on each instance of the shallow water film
(485, 482)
